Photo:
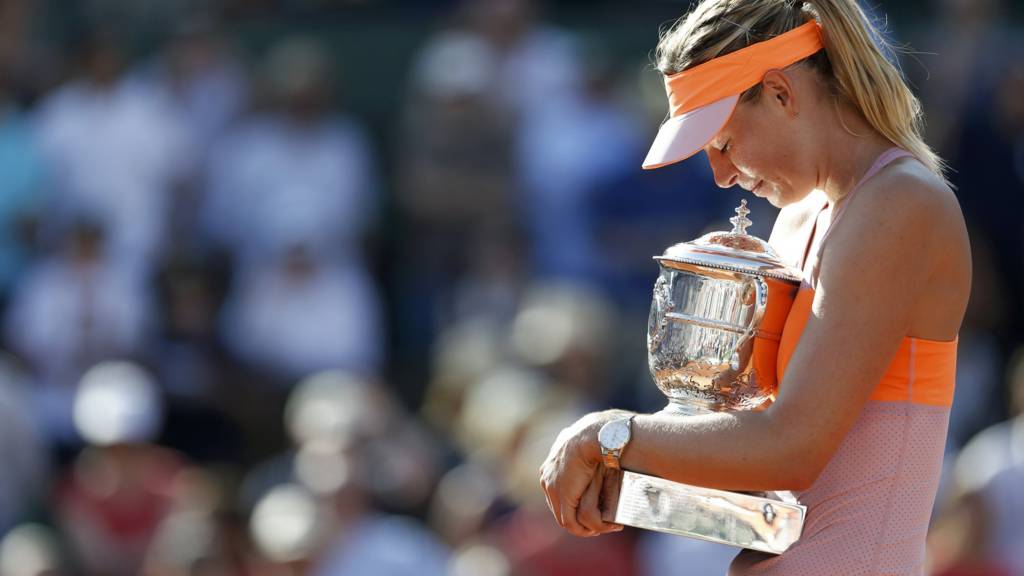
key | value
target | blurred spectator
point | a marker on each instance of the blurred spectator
(69, 311)
(502, 401)
(298, 170)
(999, 446)
(565, 151)
(962, 54)
(24, 477)
(202, 533)
(31, 550)
(980, 358)
(534, 546)
(455, 191)
(194, 543)
(21, 202)
(537, 64)
(199, 73)
(302, 314)
(114, 150)
(119, 490)
(355, 453)
(188, 354)
(288, 526)
(959, 541)
(979, 528)
(660, 553)
(27, 62)
(990, 176)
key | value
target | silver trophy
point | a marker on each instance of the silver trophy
(720, 304)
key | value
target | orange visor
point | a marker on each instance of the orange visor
(702, 99)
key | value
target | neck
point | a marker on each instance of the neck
(850, 150)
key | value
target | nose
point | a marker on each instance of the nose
(725, 172)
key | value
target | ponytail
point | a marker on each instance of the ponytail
(867, 79)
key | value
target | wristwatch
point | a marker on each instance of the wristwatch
(613, 437)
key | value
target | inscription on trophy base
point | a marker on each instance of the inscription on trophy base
(769, 523)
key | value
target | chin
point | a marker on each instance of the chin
(773, 197)
(778, 197)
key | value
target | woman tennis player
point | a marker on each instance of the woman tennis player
(796, 102)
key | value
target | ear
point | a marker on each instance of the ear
(778, 90)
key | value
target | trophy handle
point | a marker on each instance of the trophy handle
(760, 305)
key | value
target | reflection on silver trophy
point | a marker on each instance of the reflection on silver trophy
(720, 304)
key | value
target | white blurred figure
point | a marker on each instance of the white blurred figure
(303, 314)
(1003, 502)
(458, 510)
(287, 526)
(999, 446)
(456, 188)
(385, 546)
(113, 149)
(988, 501)
(202, 534)
(479, 560)
(354, 448)
(119, 490)
(537, 64)
(299, 168)
(69, 311)
(463, 354)
(30, 550)
(198, 72)
(564, 152)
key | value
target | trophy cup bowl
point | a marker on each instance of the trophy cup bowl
(719, 307)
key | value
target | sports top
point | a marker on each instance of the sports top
(868, 511)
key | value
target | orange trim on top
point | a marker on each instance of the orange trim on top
(922, 371)
(737, 71)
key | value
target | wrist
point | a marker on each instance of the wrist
(614, 436)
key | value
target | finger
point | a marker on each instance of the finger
(609, 502)
(551, 500)
(589, 514)
(551, 505)
(569, 521)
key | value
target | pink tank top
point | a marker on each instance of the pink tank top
(869, 510)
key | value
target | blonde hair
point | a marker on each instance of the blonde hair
(852, 65)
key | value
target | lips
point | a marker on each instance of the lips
(755, 189)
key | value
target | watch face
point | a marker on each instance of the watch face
(615, 434)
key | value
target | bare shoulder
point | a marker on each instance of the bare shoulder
(904, 238)
(909, 200)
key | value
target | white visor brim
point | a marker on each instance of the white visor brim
(683, 136)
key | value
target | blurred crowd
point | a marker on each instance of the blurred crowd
(249, 328)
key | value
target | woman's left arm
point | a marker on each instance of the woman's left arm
(874, 270)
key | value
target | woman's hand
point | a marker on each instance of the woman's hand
(573, 478)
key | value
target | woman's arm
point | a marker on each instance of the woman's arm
(876, 267)
(874, 271)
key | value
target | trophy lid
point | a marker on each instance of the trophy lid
(734, 250)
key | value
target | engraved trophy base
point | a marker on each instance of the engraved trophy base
(768, 522)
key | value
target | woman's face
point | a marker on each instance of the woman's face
(768, 143)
